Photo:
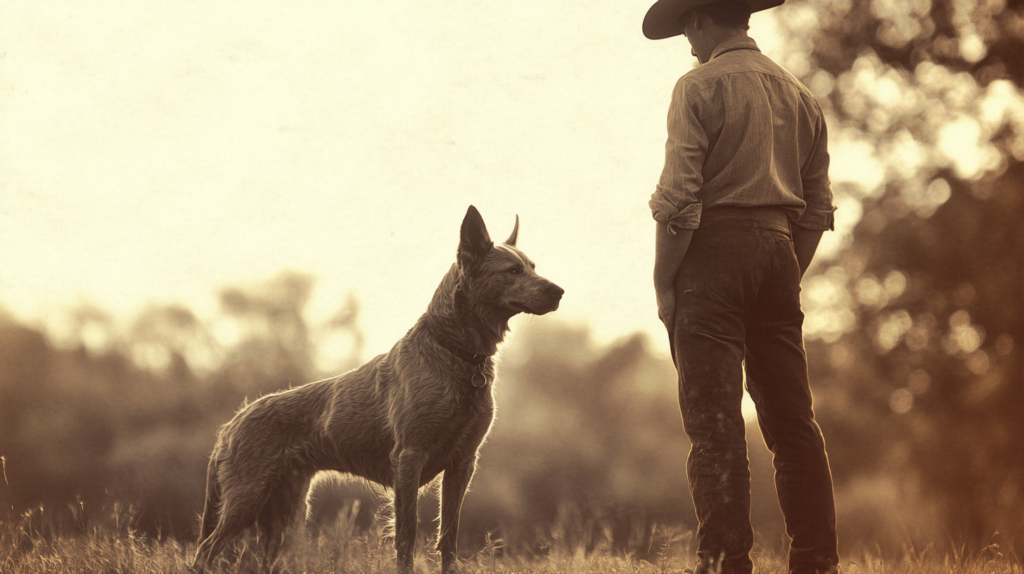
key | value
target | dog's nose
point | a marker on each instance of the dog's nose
(556, 291)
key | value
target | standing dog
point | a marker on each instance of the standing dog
(419, 410)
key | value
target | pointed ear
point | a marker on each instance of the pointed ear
(515, 234)
(474, 241)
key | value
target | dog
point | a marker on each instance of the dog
(422, 409)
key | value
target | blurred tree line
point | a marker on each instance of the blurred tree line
(587, 451)
(926, 370)
(108, 416)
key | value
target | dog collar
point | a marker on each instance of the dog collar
(479, 379)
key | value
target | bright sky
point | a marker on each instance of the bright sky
(157, 151)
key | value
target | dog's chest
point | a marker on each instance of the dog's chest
(469, 419)
(459, 432)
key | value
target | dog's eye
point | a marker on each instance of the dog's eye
(514, 270)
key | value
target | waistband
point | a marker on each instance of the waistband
(771, 216)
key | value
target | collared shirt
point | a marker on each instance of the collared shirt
(742, 131)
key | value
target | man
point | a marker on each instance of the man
(741, 205)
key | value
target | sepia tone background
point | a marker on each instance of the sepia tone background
(205, 202)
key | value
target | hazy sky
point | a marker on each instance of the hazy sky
(157, 151)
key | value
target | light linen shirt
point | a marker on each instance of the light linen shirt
(742, 131)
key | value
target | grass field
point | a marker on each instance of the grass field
(115, 546)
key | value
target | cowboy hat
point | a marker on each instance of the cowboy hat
(665, 18)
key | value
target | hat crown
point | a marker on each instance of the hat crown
(665, 18)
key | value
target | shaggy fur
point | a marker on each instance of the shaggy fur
(419, 410)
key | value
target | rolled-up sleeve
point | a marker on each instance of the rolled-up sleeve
(675, 202)
(819, 213)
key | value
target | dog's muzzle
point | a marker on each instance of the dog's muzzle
(552, 295)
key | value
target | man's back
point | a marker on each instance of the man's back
(744, 132)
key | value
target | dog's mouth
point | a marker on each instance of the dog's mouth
(519, 307)
(534, 309)
(538, 302)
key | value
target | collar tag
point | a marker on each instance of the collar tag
(479, 379)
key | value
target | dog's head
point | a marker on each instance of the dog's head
(501, 277)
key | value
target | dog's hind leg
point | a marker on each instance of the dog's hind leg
(453, 492)
(240, 504)
(229, 528)
(408, 466)
(276, 515)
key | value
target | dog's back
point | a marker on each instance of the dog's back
(299, 429)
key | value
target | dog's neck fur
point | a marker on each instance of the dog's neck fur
(452, 312)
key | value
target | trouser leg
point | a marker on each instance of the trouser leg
(707, 345)
(777, 379)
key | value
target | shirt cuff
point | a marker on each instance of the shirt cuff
(818, 219)
(665, 212)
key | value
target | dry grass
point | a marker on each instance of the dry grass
(30, 545)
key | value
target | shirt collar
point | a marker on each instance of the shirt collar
(735, 43)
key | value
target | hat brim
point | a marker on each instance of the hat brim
(665, 17)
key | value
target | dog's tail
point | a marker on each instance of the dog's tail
(211, 512)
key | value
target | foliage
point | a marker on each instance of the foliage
(927, 379)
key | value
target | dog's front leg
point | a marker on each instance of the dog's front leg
(408, 465)
(453, 491)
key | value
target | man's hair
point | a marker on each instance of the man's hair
(727, 13)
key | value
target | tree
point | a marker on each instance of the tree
(935, 272)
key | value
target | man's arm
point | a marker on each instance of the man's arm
(675, 204)
(805, 243)
(818, 215)
(669, 251)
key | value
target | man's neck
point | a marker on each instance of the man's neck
(717, 36)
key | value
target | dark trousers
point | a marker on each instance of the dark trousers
(738, 299)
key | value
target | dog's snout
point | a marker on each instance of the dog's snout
(555, 290)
